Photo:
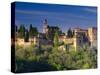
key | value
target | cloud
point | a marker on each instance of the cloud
(57, 15)
(91, 10)
(23, 12)
(32, 12)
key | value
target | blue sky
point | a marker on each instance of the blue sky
(64, 16)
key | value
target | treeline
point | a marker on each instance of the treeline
(25, 33)
(33, 31)
(34, 59)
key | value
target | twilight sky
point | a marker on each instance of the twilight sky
(63, 16)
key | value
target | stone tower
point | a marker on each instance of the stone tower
(45, 25)
(92, 34)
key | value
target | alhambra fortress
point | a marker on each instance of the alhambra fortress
(90, 35)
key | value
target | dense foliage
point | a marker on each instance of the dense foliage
(47, 58)
(21, 31)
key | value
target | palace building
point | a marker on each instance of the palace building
(80, 37)
(49, 31)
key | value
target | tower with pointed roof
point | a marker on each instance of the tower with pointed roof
(45, 25)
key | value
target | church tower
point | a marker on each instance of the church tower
(45, 25)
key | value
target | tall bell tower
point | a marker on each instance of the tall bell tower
(45, 25)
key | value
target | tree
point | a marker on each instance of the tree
(56, 41)
(30, 31)
(33, 31)
(26, 36)
(21, 31)
(70, 33)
